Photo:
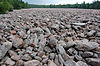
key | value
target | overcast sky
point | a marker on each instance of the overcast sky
(46, 2)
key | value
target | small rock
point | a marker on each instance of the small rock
(46, 30)
(45, 60)
(98, 53)
(38, 30)
(29, 50)
(95, 55)
(87, 54)
(51, 63)
(56, 60)
(52, 56)
(32, 63)
(77, 57)
(79, 24)
(14, 55)
(75, 27)
(52, 41)
(42, 42)
(82, 35)
(61, 60)
(9, 62)
(98, 34)
(26, 57)
(35, 40)
(38, 58)
(69, 44)
(62, 43)
(91, 33)
(33, 54)
(19, 63)
(55, 26)
(41, 53)
(63, 53)
(13, 32)
(47, 49)
(70, 63)
(2, 26)
(22, 34)
(81, 63)
(70, 51)
(93, 61)
(68, 26)
(17, 42)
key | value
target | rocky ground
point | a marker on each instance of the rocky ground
(50, 37)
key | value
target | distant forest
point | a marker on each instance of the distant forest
(93, 5)
(9, 5)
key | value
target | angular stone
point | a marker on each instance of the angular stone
(51, 63)
(81, 63)
(68, 26)
(4, 48)
(87, 54)
(75, 27)
(42, 42)
(70, 63)
(81, 35)
(84, 45)
(63, 53)
(71, 51)
(2, 26)
(55, 26)
(29, 50)
(47, 49)
(14, 55)
(41, 53)
(38, 30)
(26, 57)
(98, 34)
(9, 62)
(45, 60)
(69, 44)
(56, 60)
(62, 43)
(22, 34)
(19, 63)
(77, 57)
(52, 56)
(61, 60)
(35, 40)
(17, 42)
(91, 33)
(47, 30)
(38, 58)
(52, 41)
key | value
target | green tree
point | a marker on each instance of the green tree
(5, 7)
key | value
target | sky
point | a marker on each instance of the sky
(47, 2)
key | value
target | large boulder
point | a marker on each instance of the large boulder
(85, 45)
(6, 46)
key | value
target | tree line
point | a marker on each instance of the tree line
(9, 5)
(93, 5)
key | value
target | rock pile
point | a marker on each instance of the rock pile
(50, 37)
